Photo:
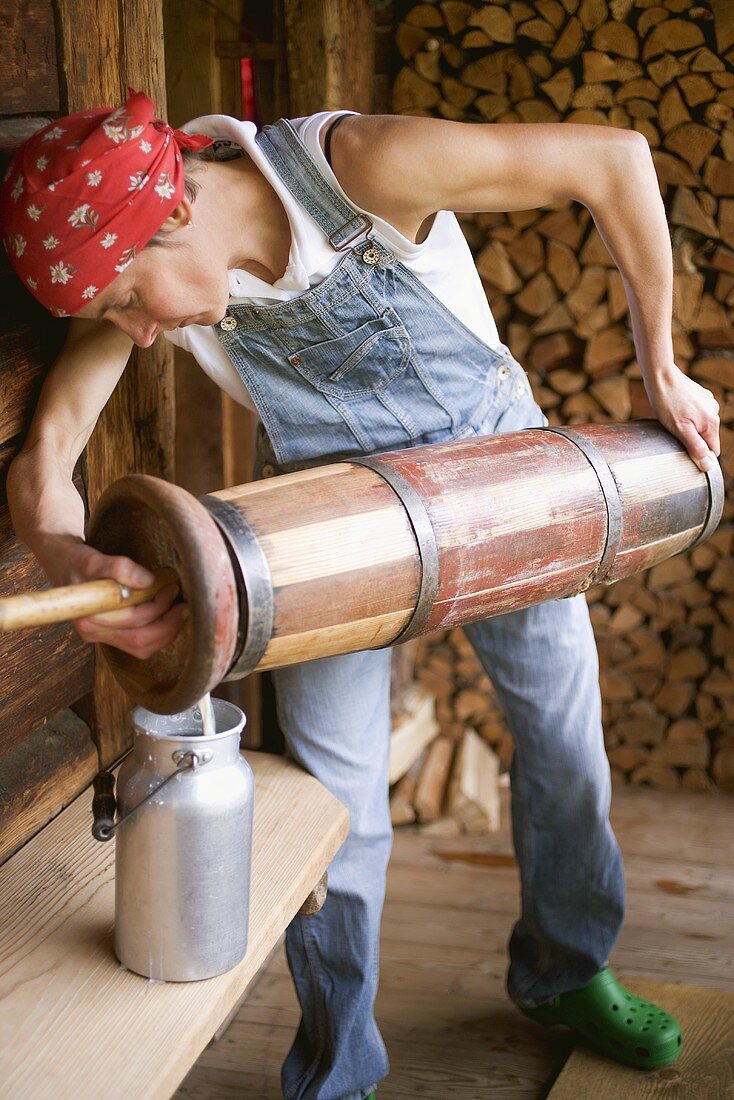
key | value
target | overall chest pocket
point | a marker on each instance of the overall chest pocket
(360, 363)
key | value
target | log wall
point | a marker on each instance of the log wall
(41, 769)
(666, 69)
(57, 59)
(104, 47)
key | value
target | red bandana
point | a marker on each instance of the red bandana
(84, 195)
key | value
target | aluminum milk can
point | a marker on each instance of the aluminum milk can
(183, 857)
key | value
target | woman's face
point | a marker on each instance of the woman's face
(163, 289)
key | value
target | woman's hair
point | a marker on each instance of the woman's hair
(192, 163)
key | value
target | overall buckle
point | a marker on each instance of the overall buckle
(346, 234)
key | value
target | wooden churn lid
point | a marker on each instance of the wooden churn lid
(157, 525)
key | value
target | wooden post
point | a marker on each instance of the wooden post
(331, 55)
(202, 69)
(215, 436)
(105, 46)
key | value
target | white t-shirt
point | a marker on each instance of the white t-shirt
(443, 262)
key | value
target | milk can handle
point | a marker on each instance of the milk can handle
(104, 803)
(104, 806)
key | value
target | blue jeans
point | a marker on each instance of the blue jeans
(335, 715)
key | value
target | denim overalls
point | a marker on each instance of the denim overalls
(370, 360)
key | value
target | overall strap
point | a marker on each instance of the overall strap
(297, 168)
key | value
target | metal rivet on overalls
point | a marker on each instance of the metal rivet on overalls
(228, 323)
(503, 372)
(371, 256)
(268, 470)
(295, 360)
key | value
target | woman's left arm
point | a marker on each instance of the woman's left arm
(406, 169)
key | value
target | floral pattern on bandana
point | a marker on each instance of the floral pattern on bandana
(85, 194)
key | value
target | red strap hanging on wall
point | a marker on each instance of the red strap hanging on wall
(247, 78)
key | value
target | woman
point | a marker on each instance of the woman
(330, 289)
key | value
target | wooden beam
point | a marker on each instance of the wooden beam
(331, 55)
(28, 76)
(258, 51)
(105, 46)
(215, 436)
(42, 775)
(197, 81)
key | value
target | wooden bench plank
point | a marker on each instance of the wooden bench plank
(705, 1067)
(72, 1021)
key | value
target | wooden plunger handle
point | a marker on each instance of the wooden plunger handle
(75, 601)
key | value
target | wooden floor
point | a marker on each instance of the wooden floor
(450, 1030)
(703, 1071)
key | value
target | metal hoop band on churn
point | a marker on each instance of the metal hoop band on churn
(611, 500)
(425, 538)
(254, 583)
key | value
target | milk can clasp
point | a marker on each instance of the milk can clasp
(104, 805)
(195, 758)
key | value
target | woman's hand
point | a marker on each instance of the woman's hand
(139, 631)
(689, 411)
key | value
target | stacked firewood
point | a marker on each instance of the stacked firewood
(445, 781)
(666, 69)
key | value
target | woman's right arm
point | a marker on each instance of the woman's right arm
(47, 511)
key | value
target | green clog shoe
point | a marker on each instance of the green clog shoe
(615, 1022)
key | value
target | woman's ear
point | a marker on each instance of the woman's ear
(180, 217)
